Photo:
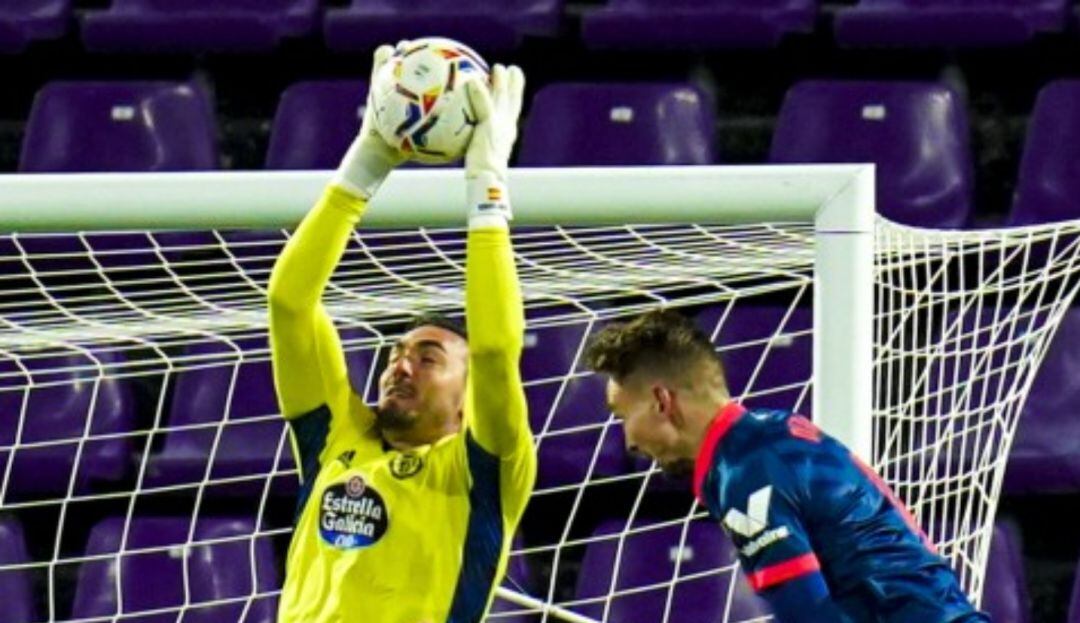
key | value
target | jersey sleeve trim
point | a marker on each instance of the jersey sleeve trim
(484, 538)
(783, 571)
(309, 432)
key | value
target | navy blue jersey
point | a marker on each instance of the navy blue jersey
(819, 535)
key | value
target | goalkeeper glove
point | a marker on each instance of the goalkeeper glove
(370, 158)
(488, 155)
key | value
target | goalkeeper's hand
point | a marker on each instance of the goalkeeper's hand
(488, 156)
(370, 158)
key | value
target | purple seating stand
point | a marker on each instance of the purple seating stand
(696, 24)
(947, 23)
(192, 26)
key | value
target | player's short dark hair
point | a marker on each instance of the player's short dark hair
(434, 319)
(662, 341)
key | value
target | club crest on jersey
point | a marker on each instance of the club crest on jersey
(352, 515)
(406, 464)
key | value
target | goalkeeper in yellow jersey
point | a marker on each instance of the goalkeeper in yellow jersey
(406, 511)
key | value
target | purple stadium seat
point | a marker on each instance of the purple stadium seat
(25, 21)
(15, 589)
(1049, 179)
(55, 411)
(784, 368)
(947, 23)
(1005, 596)
(696, 24)
(315, 123)
(198, 25)
(119, 126)
(649, 558)
(618, 124)
(916, 133)
(202, 397)
(480, 24)
(155, 580)
(1045, 456)
(565, 454)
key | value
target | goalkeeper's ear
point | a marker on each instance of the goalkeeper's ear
(480, 98)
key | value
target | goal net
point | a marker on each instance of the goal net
(145, 474)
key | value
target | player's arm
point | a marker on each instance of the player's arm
(494, 313)
(775, 551)
(308, 361)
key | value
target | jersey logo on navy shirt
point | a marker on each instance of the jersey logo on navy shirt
(756, 517)
(750, 524)
(352, 515)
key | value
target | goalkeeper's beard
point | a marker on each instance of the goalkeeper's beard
(391, 418)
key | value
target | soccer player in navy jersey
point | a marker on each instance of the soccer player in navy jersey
(819, 535)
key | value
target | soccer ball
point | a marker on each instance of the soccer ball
(419, 102)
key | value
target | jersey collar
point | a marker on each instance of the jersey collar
(724, 419)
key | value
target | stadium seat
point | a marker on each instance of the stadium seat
(315, 123)
(192, 26)
(947, 23)
(25, 21)
(15, 585)
(696, 24)
(618, 124)
(156, 580)
(649, 558)
(480, 24)
(1005, 596)
(782, 371)
(213, 385)
(54, 420)
(1048, 183)
(916, 133)
(1045, 456)
(119, 126)
(579, 443)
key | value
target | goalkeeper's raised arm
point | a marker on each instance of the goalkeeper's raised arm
(493, 298)
(308, 362)
(406, 510)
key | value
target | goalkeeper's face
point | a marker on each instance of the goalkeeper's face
(423, 386)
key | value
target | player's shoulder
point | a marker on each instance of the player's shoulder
(770, 431)
(773, 442)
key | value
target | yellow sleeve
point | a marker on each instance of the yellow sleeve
(498, 416)
(308, 360)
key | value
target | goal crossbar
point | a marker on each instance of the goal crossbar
(838, 199)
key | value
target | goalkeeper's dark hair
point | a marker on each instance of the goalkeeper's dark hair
(434, 319)
(661, 341)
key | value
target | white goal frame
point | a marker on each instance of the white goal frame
(838, 199)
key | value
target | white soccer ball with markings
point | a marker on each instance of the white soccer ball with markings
(419, 100)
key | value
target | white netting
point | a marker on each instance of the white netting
(139, 436)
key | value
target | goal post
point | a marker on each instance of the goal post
(838, 199)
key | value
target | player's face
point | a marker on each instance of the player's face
(424, 380)
(646, 423)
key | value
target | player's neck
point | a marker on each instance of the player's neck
(698, 417)
(408, 439)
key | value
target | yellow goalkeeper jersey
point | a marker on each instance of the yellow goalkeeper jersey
(382, 535)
